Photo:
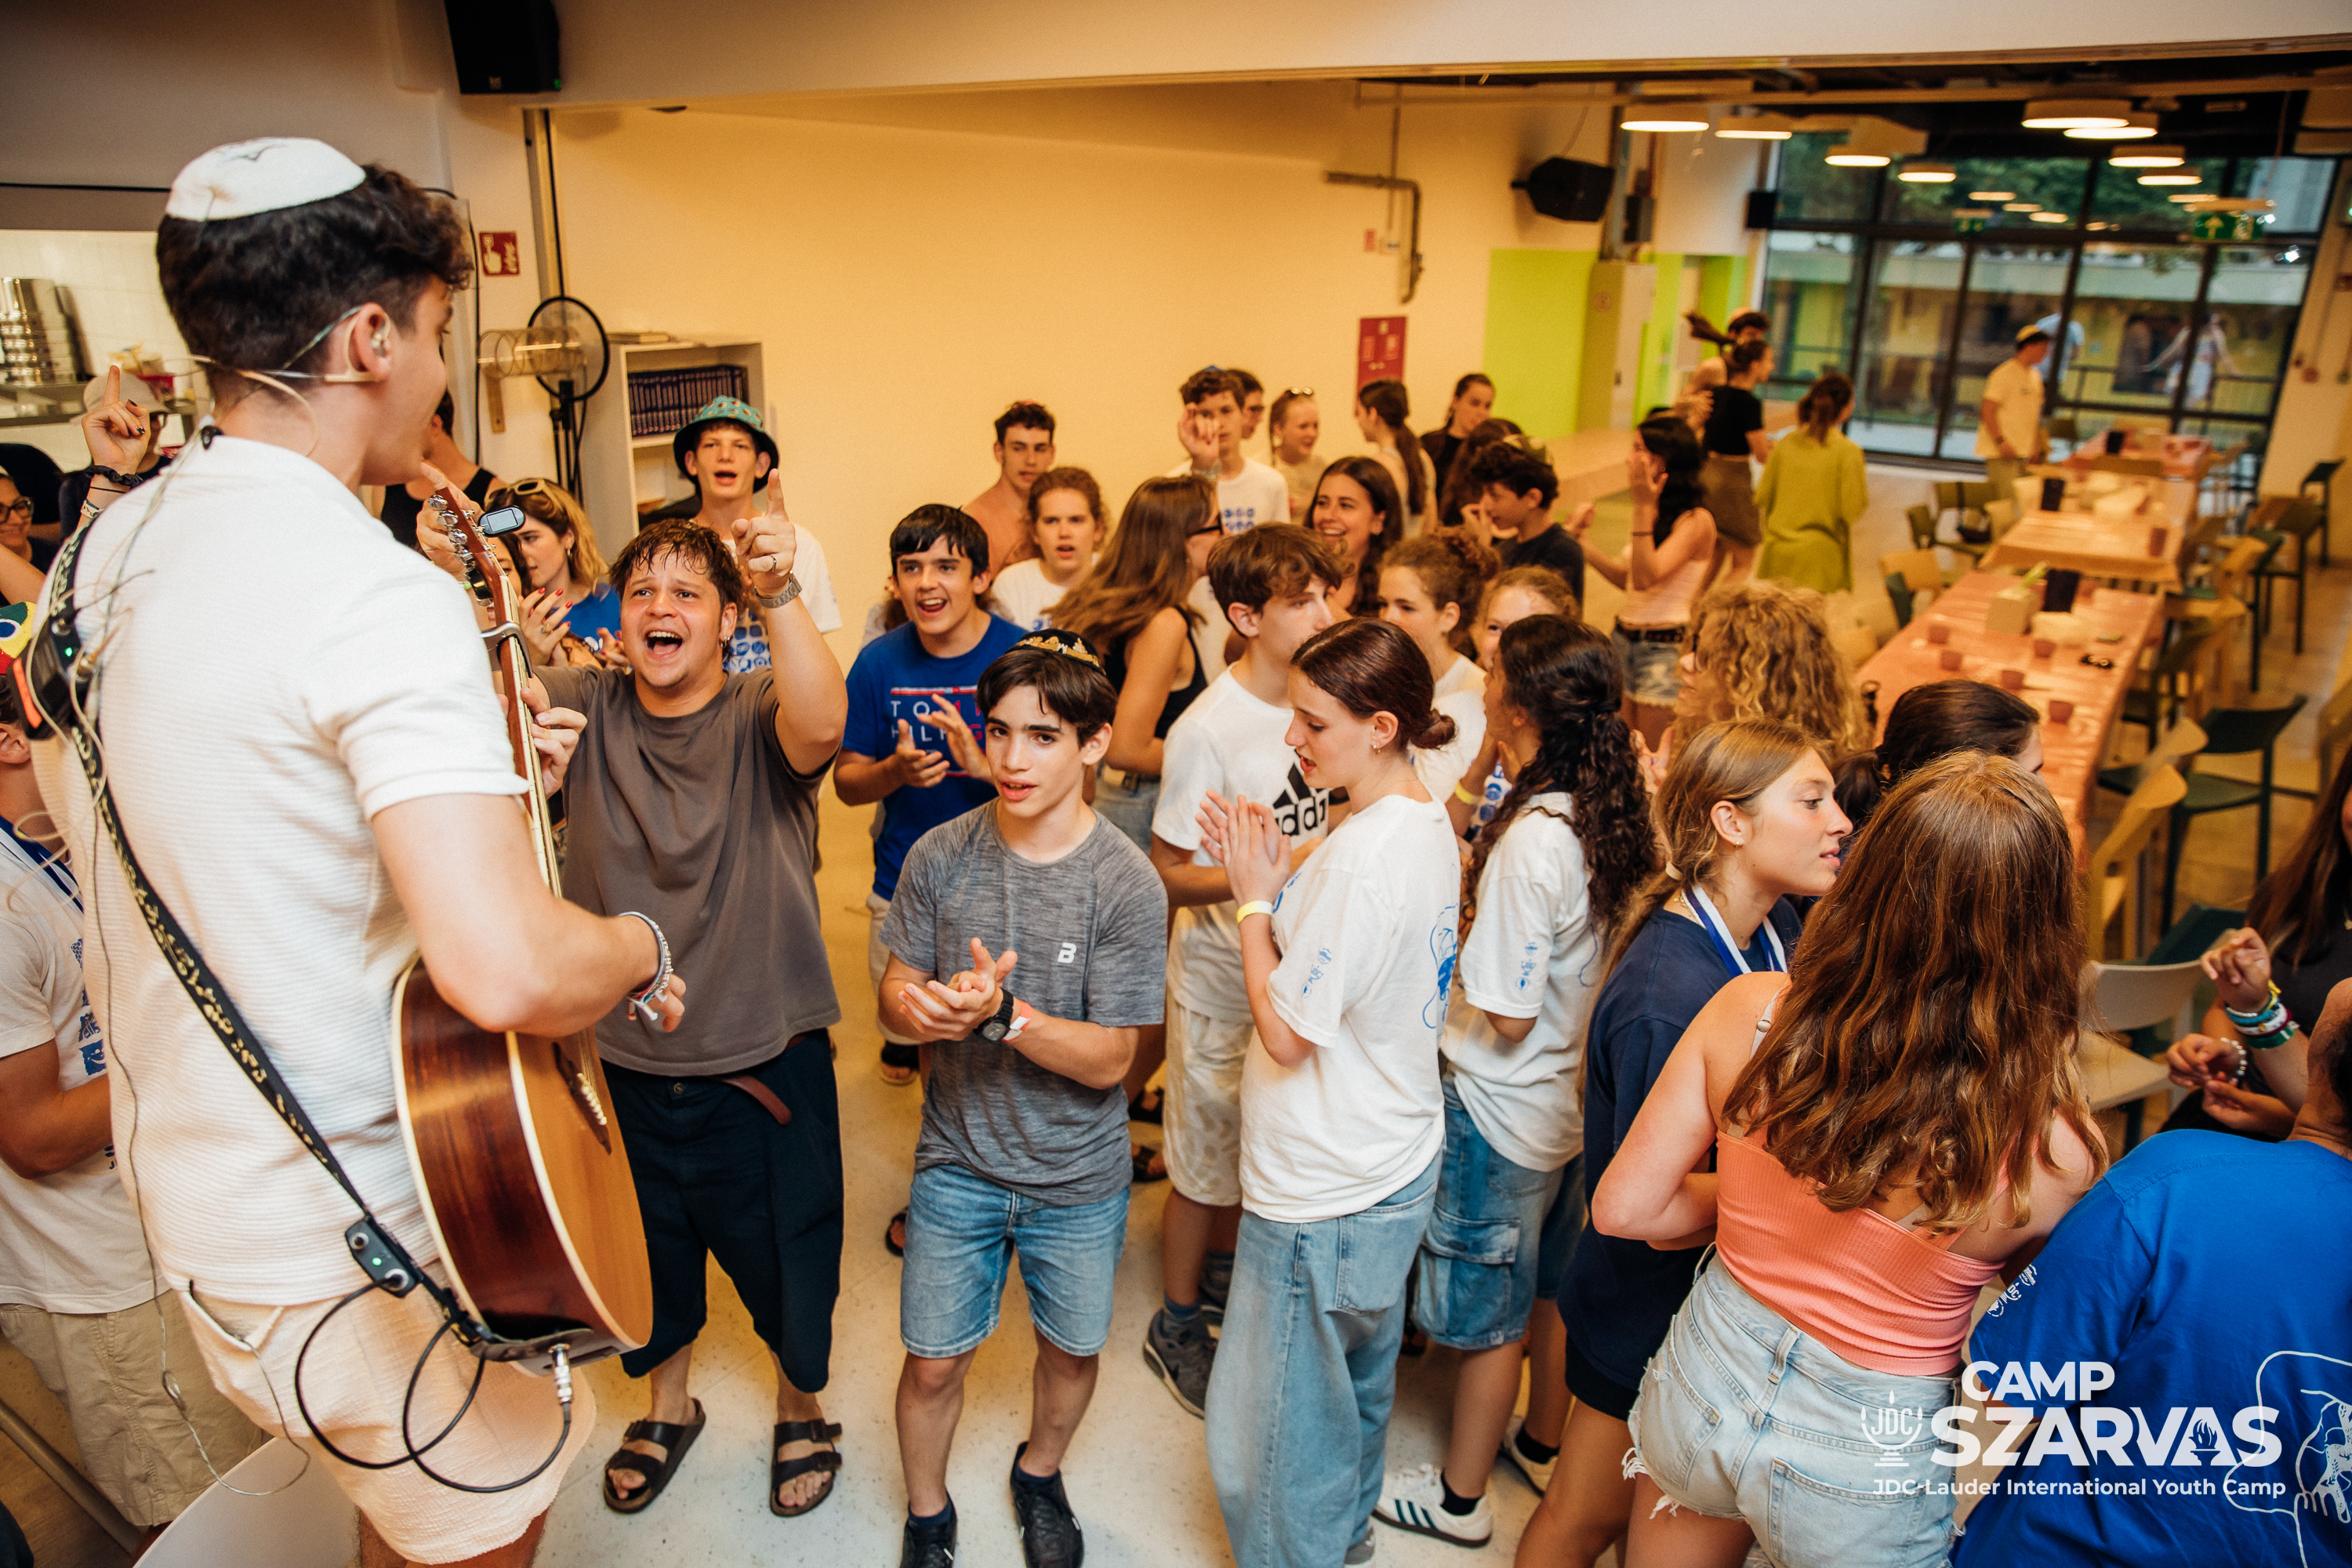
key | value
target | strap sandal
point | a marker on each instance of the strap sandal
(675, 1436)
(894, 1235)
(1139, 1160)
(781, 1471)
(1150, 1107)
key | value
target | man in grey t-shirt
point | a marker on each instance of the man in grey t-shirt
(1028, 944)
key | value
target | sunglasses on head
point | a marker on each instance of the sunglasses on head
(1297, 391)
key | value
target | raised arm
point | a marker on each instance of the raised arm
(815, 706)
(504, 950)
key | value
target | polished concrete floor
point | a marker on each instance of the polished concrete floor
(1136, 1474)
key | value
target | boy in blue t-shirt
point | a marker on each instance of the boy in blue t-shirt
(910, 740)
(2186, 1340)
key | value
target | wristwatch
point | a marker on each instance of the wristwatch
(1001, 1023)
(791, 590)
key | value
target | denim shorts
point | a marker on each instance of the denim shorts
(1474, 1283)
(1652, 672)
(1562, 1223)
(962, 1231)
(1743, 1416)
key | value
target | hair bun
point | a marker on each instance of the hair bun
(1437, 729)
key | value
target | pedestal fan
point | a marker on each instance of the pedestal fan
(564, 349)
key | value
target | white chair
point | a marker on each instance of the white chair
(2118, 998)
(299, 1519)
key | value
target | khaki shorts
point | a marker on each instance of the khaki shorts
(352, 1384)
(107, 1369)
(1202, 1122)
(878, 960)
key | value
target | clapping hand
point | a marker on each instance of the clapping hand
(952, 1010)
(545, 617)
(1641, 475)
(1198, 431)
(1578, 526)
(610, 652)
(962, 744)
(917, 769)
(765, 544)
(1243, 836)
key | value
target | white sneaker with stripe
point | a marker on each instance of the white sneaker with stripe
(1414, 1499)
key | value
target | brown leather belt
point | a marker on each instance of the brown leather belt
(764, 1094)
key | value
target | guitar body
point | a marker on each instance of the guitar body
(520, 1167)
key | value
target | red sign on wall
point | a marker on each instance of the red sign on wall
(1380, 349)
(502, 253)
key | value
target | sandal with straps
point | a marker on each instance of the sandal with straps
(675, 1436)
(782, 1470)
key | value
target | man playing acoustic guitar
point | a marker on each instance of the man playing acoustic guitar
(309, 759)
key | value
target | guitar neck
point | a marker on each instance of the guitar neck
(513, 667)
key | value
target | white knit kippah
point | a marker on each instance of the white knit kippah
(247, 177)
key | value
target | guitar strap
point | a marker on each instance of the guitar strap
(56, 682)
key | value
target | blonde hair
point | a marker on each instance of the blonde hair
(545, 501)
(1763, 649)
(1735, 762)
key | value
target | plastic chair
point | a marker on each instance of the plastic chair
(302, 1520)
(1907, 575)
(2000, 515)
(2111, 879)
(2133, 1002)
(2296, 520)
(2231, 732)
(1952, 496)
(2322, 478)
(2171, 677)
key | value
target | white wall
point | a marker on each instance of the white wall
(2313, 420)
(908, 284)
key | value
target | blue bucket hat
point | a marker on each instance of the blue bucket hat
(733, 411)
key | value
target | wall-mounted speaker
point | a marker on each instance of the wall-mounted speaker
(1568, 189)
(1762, 207)
(505, 46)
(1641, 219)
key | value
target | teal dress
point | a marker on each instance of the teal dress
(1810, 496)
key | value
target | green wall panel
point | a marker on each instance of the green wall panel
(1535, 335)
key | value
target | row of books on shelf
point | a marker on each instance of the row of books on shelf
(662, 401)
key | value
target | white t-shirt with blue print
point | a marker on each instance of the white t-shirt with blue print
(1532, 952)
(68, 1241)
(1365, 929)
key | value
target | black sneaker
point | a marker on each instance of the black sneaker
(930, 1545)
(1049, 1530)
(1182, 1354)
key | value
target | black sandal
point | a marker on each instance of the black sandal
(782, 1470)
(1150, 1107)
(676, 1436)
(1139, 1163)
(892, 1231)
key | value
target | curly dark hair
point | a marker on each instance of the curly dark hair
(696, 545)
(1566, 677)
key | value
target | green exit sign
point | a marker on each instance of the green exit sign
(2222, 225)
(1971, 220)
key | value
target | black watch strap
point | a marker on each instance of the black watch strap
(1001, 1023)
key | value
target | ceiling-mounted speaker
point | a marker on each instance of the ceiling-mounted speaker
(1568, 189)
(505, 46)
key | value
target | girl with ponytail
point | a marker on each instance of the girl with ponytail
(1381, 409)
(1347, 966)
(1430, 589)
(1746, 822)
(1564, 855)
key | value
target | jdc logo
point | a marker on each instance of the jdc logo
(1893, 1430)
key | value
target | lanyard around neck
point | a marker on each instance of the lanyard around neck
(1776, 959)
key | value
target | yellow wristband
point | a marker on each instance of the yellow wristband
(1464, 796)
(1254, 907)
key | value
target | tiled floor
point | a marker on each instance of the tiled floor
(1137, 1475)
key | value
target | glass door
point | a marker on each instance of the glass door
(1906, 333)
(2010, 286)
(1810, 294)
(2133, 307)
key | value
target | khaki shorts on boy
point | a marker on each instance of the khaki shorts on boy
(353, 1385)
(1203, 1120)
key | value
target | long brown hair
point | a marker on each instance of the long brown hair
(1567, 679)
(1369, 473)
(1763, 649)
(2300, 907)
(1926, 1037)
(1142, 570)
(1830, 394)
(1735, 762)
(1385, 401)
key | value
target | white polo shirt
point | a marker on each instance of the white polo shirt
(276, 670)
(2015, 391)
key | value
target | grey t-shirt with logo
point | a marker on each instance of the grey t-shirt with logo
(1091, 932)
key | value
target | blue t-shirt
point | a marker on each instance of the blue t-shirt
(600, 611)
(2210, 1273)
(894, 678)
(1620, 1296)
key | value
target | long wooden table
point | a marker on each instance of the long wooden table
(2070, 751)
(2137, 548)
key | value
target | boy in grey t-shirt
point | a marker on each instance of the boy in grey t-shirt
(1028, 947)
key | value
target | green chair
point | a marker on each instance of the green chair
(1954, 496)
(2155, 705)
(1922, 519)
(2228, 733)
(2298, 521)
(1898, 592)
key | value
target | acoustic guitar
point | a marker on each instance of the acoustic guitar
(524, 1178)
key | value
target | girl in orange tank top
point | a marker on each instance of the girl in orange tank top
(1898, 1122)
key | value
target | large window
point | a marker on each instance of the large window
(2147, 325)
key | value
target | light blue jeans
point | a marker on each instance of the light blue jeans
(1128, 805)
(1742, 1416)
(1305, 1372)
